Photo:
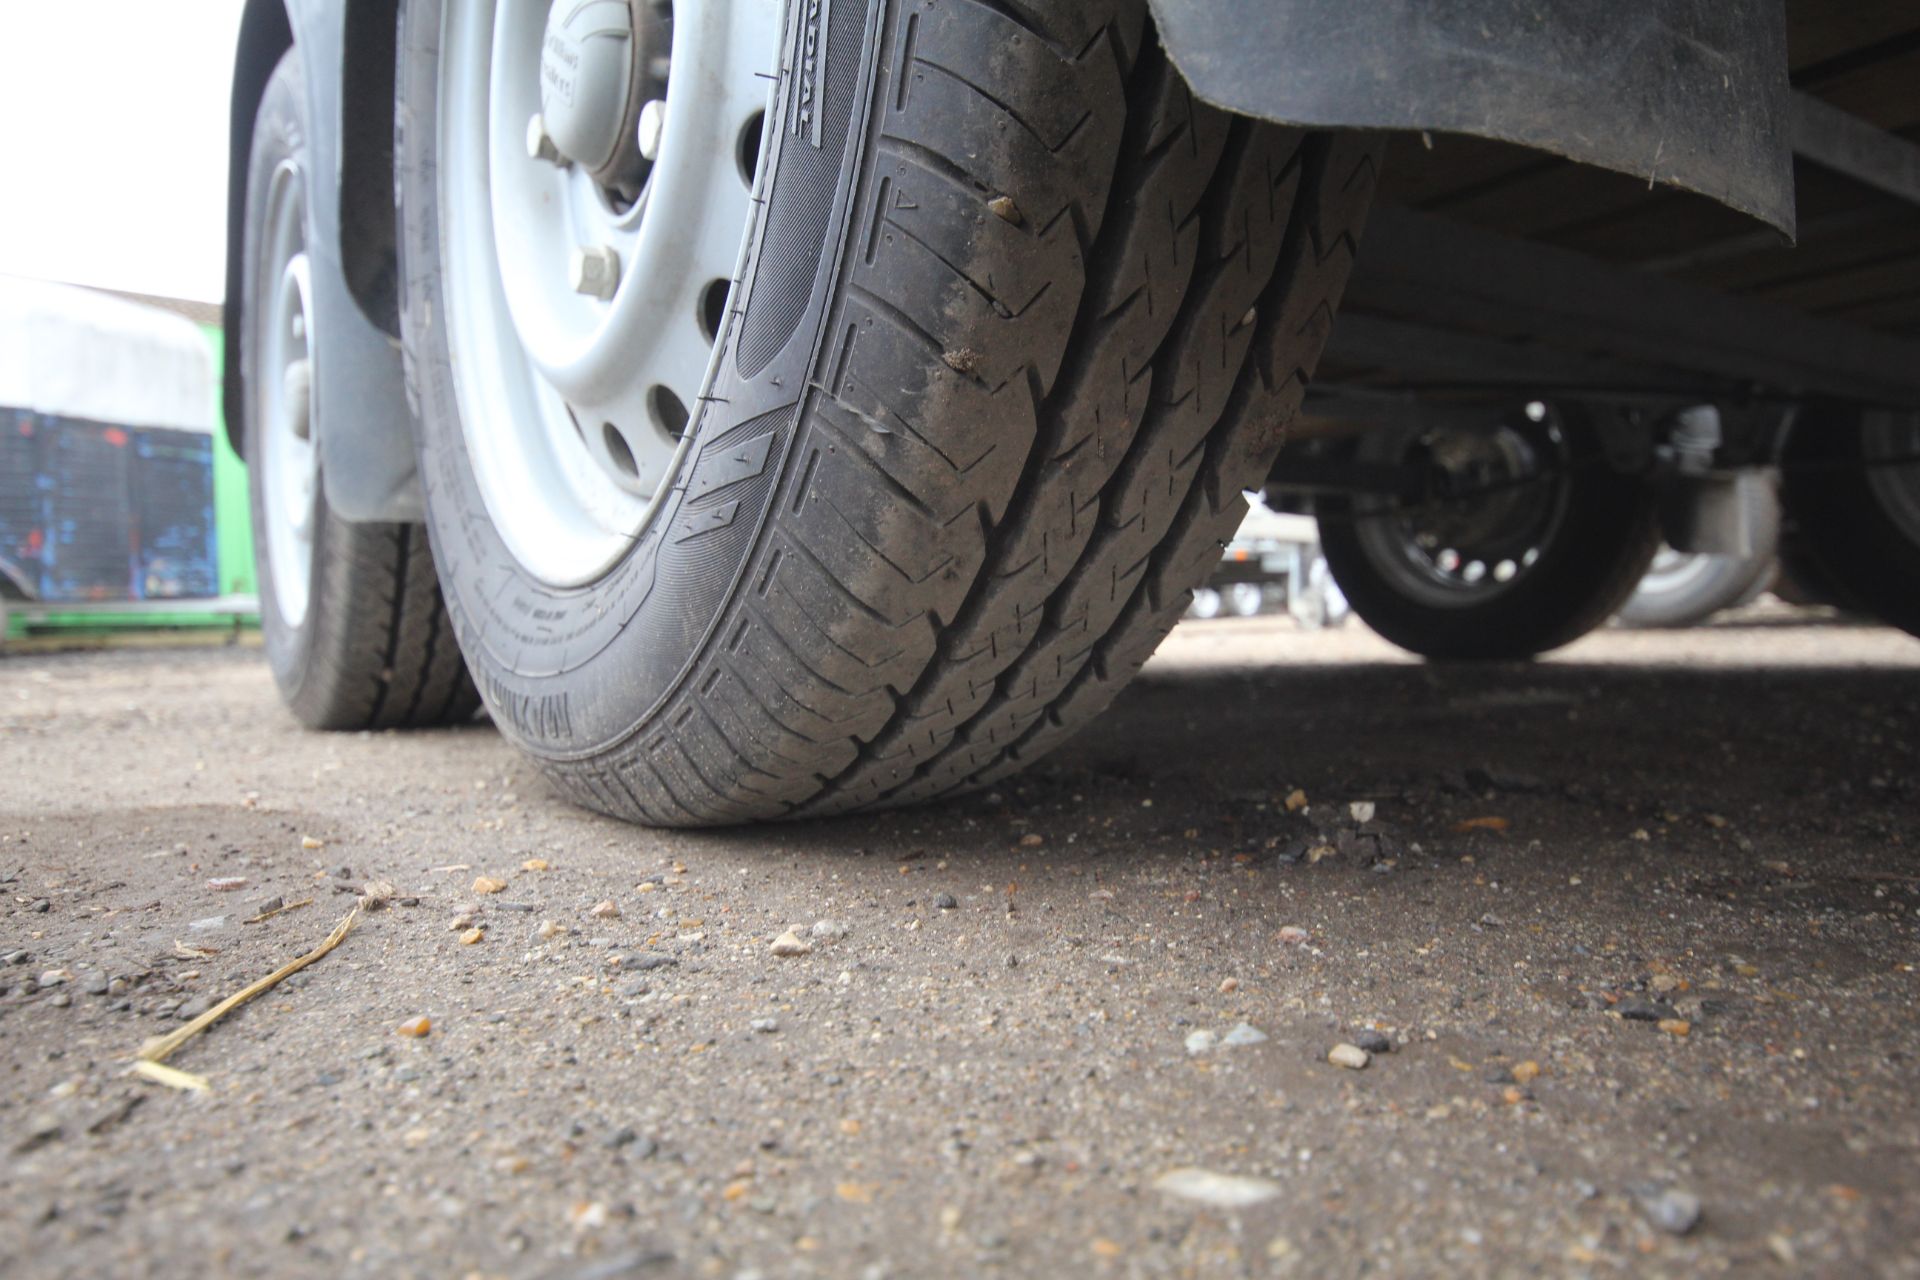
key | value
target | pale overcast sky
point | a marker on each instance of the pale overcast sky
(113, 142)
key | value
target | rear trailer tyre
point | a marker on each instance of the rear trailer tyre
(1850, 486)
(351, 616)
(1683, 589)
(863, 458)
(1206, 604)
(1245, 599)
(1540, 542)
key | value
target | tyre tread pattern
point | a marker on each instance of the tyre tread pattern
(1080, 309)
(384, 656)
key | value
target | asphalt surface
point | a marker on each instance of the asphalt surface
(1634, 926)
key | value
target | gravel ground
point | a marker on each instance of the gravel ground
(1631, 934)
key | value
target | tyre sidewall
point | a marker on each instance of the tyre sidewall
(279, 135)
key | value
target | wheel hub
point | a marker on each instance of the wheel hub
(601, 63)
(1496, 498)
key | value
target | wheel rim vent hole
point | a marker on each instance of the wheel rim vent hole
(618, 449)
(748, 150)
(713, 308)
(669, 412)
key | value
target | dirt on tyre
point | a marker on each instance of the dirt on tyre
(1008, 323)
(1527, 540)
(350, 614)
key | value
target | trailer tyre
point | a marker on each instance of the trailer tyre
(1683, 589)
(351, 616)
(1850, 486)
(1541, 542)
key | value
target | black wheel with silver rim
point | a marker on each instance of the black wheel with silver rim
(1523, 538)
(351, 614)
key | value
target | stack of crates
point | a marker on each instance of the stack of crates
(95, 513)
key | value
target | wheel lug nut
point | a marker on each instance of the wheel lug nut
(540, 144)
(596, 271)
(653, 120)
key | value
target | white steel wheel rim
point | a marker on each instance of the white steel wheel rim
(573, 407)
(1673, 572)
(289, 462)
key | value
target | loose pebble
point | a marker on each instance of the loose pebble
(1350, 1056)
(1199, 1042)
(487, 884)
(1296, 800)
(472, 936)
(1372, 1041)
(1229, 985)
(1526, 1072)
(1243, 1035)
(765, 1026)
(550, 929)
(415, 1027)
(1674, 1211)
(1641, 1009)
(791, 944)
(605, 911)
(534, 864)
(946, 902)
(227, 884)
(1220, 1190)
(1675, 1026)
(308, 842)
(1293, 935)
